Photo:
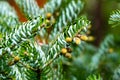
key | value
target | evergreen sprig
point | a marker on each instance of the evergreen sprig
(7, 23)
(114, 19)
(51, 6)
(70, 31)
(21, 34)
(21, 56)
(32, 60)
(68, 14)
(29, 7)
(8, 17)
(7, 10)
(94, 77)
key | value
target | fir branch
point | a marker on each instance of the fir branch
(60, 41)
(4, 68)
(33, 53)
(56, 71)
(52, 5)
(114, 19)
(36, 58)
(8, 17)
(68, 13)
(22, 73)
(7, 10)
(16, 71)
(94, 77)
(7, 24)
(21, 34)
(29, 7)
(31, 60)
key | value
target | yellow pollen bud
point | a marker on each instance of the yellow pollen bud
(68, 39)
(91, 38)
(84, 37)
(16, 59)
(77, 40)
(64, 51)
(48, 15)
(110, 50)
(68, 55)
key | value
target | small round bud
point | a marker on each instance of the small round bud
(84, 37)
(91, 38)
(68, 55)
(110, 50)
(48, 15)
(68, 39)
(16, 59)
(77, 40)
(63, 50)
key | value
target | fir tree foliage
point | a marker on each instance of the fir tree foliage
(22, 33)
(67, 15)
(51, 6)
(70, 31)
(21, 56)
(8, 17)
(94, 77)
(114, 19)
(29, 8)
(62, 49)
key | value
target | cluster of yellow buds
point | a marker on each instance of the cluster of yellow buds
(66, 52)
(78, 39)
(86, 38)
(49, 19)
